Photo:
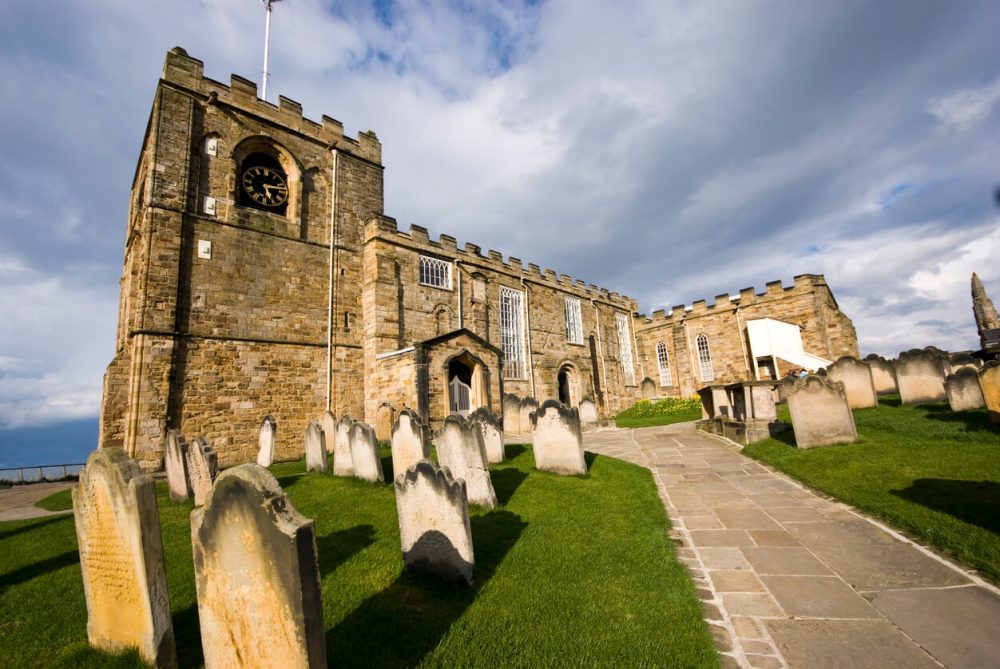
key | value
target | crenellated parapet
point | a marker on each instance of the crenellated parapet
(182, 70)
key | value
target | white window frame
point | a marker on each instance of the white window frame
(435, 272)
(574, 321)
(625, 347)
(705, 358)
(663, 358)
(512, 333)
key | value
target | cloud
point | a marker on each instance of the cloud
(965, 109)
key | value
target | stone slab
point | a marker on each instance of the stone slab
(817, 597)
(782, 560)
(846, 644)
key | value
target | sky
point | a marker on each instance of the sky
(670, 151)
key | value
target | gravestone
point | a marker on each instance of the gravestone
(883, 374)
(957, 361)
(384, 420)
(121, 558)
(343, 465)
(434, 527)
(175, 464)
(408, 444)
(529, 405)
(557, 440)
(203, 467)
(820, 413)
(511, 414)
(588, 412)
(761, 394)
(315, 447)
(920, 377)
(329, 424)
(856, 376)
(989, 383)
(648, 389)
(963, 390)
(268, 432)
(460, 448)
(256, 575)
(364, 453)
(489, 427)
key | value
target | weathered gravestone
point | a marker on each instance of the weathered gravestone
(408, 443)
(175, 464)
(957, 361)
(511, 414)
(489, 427)
(268, 431)
(648, 389)
(256, 575)
(920, 377)
(820, 413)
(859, 386)
(202, 467)
(385, 418)
(364, 453)
(343, 465)
(588, 412)
(460, 448)
(761, 395)
(329, 424)
(434, 527)
(557, 440)
(315, 446)
(963, 390)
(121, 558)
(989, 382)
(883, 374)
(529, 405)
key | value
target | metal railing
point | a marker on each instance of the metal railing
(39, 473)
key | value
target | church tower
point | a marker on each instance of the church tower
(987, 321)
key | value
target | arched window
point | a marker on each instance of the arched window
(705, 359)
(664, 360)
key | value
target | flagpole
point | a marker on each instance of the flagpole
(267, 42)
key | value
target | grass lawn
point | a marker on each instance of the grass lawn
(652, 421)
(647, 413)
(570, 572)
(928, 471)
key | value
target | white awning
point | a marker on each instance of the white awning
(771, 338)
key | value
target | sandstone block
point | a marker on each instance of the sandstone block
(408, 444)
(175, 464)
(315, 447)
(329, 424)
(859, 384)
(343, 465)
(492, 432)
(920, 377)
(203, 467)
(820, 413)
(460, 448)
(265, 441)
(989, 383)
(557, 440)
(364, 453)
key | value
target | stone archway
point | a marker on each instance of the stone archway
(465, 384)
(568, 385)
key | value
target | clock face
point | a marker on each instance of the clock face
(265, 186)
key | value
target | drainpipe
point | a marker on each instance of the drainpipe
(687, 340)
(329, 301)
(458, 273)
(743, 345)
(600, 348)
(527, 327)
(635, 342)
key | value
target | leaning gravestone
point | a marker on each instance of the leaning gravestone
(529, 405)
(256, 575)
(203, 467)
(342, 463)
(511, 414)
(315, 447)
(329, 424)
(268, 431)
(121, 558)
(364, 453)
(989, 382)
(920, 377)
(588, 412)
(957, 361)
(489, 427)
(883, 374)
(963, 390)
(820, 413)
(408, 444)
(859, 384)
(557, 441)
(175, 464)
(434, 527)
(460, 448)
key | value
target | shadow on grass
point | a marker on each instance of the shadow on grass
(511, 451)
(42, 522)
(419, 609)
(337, 547)
(589, 458)
(785, 436)
(975, 502)
(387, 470)
(975, 421)
(36, 569)
(289, 480)
(506, 482)
(187, 637)
(890, 401)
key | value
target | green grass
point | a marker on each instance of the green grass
(57, 501)
(570, 572)
(928, 471)
(646, 413)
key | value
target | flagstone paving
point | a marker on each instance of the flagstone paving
(789, 578)
(18, 502)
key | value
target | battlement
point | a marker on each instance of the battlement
(772, 290)
(385, 228)
(182, 70)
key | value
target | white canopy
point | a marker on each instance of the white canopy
(771, 338)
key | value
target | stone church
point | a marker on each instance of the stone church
(261, 276)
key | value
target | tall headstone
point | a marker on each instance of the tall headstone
(315, 447)
(460, 448)
(121, 558)
(920, 377)
(256, 575)
(329, 424)
(175, 464)
(384, 420)
(364, 453)
(647, 389)
(343, 465)
(761, 396)
(265, 440)
(529, 405)
(408, 443)
(489, 427)
(434, 527)
(989, 383)
(511, 414)
(820, 413)
(883, 374)
(859, 384)
(557, 440)
(203, 467)
(963, 390)
(588, 412)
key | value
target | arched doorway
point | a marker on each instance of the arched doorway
(567, 382)
(460, 395)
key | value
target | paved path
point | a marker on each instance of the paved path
(792, 579)
(18, 502)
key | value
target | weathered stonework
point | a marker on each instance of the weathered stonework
(315, 448)
(557, 441)
(511, 414)
(820, 413)
(989, 382)
(202, 467)
(859, 384)
(883, 374)
(329, 424)
(588, 412)
(364, 453)
(460, 448)
(920, 377)
(491, 429)
(409, 445)
(175, 464)
(121, 558)
(343, 465)
(265, 441)
(963, 390)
